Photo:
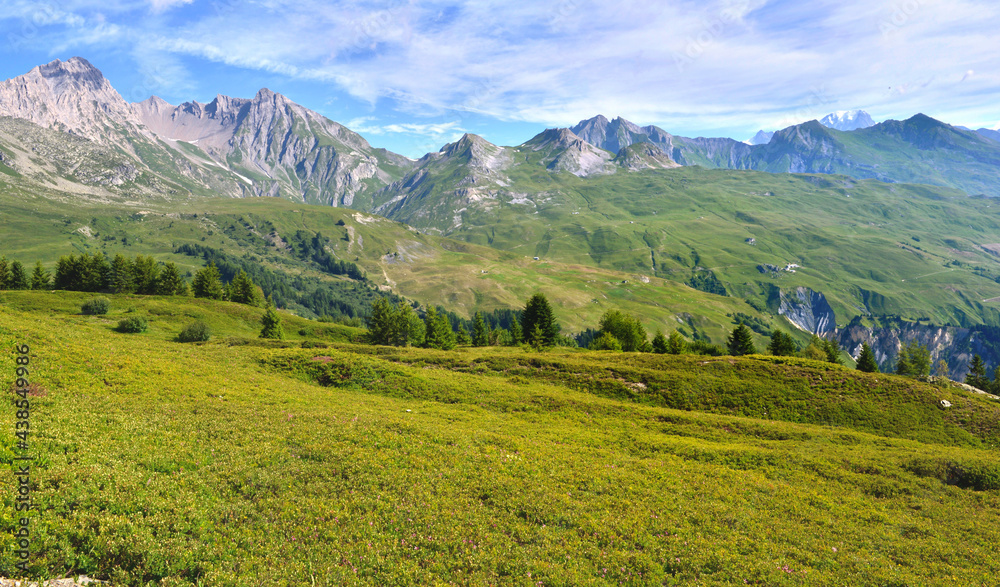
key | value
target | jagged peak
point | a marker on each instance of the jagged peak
(562, 138)
(469, 142)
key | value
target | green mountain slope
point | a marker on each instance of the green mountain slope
(175, 463)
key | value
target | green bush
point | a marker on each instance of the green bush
(132, 325)
(195, 332)
(96, 306)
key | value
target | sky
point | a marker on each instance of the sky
(412, 75)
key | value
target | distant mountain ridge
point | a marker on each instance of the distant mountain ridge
(266, 145)
(847, 120)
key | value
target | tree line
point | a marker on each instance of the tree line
(95, 273)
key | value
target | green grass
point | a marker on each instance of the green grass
(229, 462)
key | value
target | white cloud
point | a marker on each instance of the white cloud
(162, 5)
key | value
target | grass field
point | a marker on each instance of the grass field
(241, 462)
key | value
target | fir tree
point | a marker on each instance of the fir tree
(146, 273)
(676, 345)
(40, 278)
(439, 334)
(122, 279)
(516, 334)
(271, 323)
(170, 282)
(659, 343)
(480, 336)
(740, 341)
(782, 345)
(538, 312)
(605, 342)
(903, 362)
(243, 291)
(208, 282)
(18, 277)
(832, 348)
(463, 337)
(626, 329)
(4, 273)
(977, 373)
(866, 360)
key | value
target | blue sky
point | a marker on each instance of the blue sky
(411, 75)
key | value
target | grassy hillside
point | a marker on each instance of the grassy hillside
(236, 462)
(915, 251)
(460, 276)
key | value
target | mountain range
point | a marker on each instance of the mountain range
(721, 216)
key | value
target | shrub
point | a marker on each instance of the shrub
(96, 306)
(195, 332)
(132, 325)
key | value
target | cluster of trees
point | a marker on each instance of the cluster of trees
(399, 325)
(313, 248)
(242, 290)
(977, 376)
(94, 273)
(818, 349)
(14, 276)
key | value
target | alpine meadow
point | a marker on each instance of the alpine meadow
(245, 346)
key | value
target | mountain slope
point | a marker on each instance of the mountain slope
(847, 120)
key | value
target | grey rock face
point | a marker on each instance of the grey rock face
(808, 310)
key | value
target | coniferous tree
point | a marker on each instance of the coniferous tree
(676, 345)
(659, 343)
(537, 338)
(271, 323)
(170, 282)
(243, 291)
(516, 334)
(18, 277)
(383, 327)
(919, 357)
(740, 341)
(538, 313)
(463, 337)
(146, 273)
(782, 345)
(40, 278)
(122, 276)
(95, 273)
(903, 362)
(866, 360)
(480, 335)
(208, 282)
(941, 369)
(4, 272)
(977, 373)
(815, 350)
(832, 348)
(416, 331)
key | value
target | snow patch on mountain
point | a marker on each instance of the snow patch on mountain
(847, 120)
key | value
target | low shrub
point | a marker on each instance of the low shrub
(195, 332)
(96, 306)
(132, 325)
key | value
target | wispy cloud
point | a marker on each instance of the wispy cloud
(683, 64)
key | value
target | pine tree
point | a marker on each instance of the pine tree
(40, 278)
(832, 348)
(537, 338)
(382, 324)
(439, 334)
(4, 273)
(480, 336)
(146, 273)
(866, 360)
(538, 312)
(815, 350)
(95, 273)
(208, 282)
(170, 282)
(740, 342)
(243, 291)
(18, 277)
(122, 279)
(271, 323)
(903, 362)
(516, 334)
(463, 337)
(676, 345)
(782, 345)
(659, 343)
(977, 373)
(920, 359)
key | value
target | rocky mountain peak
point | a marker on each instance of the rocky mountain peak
(72, 96)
